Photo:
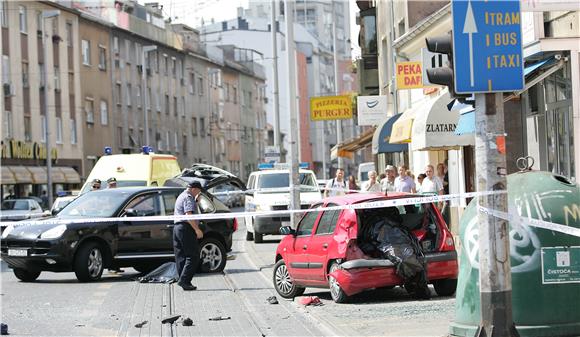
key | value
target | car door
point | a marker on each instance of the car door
(297, 258)
(166, 227)
(142, 239)
(320, 244)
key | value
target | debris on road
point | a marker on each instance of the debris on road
(219, 318)
(310, 300)
(3, 329)
(187, 322)
(272, 300)
(170, 319)
(140, 325)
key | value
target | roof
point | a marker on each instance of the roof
(269, 171)
(356, 198)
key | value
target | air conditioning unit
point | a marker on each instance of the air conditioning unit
(8, 89)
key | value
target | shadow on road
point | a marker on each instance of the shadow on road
(393, 295)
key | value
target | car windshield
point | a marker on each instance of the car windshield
(120, 183)
(281, 180)
(15, 205)
(94, 204)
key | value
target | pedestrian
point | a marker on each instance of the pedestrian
(420, 179)
(96, 185)
(336, 186)
(44, 199)
(442, 175)
(371, 185)
(431, 183)
(404, 183)
(186, 234)
(388, 183)
(112, 182)
(352, 186)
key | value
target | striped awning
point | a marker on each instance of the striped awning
(7, 176)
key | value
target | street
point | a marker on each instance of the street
(58, 305)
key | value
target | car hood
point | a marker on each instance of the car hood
(208, 176)
(28, 230)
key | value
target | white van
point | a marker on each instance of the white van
(267, 193)
(363, 171)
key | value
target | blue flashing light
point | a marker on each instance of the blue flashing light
(146, 149)
(108, 151)
(265, 166)
(303, 165)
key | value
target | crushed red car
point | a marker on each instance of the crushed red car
(353, 250)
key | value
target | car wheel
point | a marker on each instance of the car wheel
(258, 237)
(212, 256)
(283, 282)
(445, 287)
(26, 275)
(336, 292)
(88, 263)
(249, 236)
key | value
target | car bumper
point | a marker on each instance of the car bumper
(42, 255)
(359, 275)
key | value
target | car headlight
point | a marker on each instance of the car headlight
(54, 233)
(7, 231)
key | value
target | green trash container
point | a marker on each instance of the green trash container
(545, 264)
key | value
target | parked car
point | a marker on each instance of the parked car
(60, 202)
(20, 209)
(88, 247)
(338, 249)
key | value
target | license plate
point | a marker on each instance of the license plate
(17, 252)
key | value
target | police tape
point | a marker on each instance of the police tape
(399, 200)
(516, 220)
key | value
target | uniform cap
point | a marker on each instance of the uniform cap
(195, 184)
(112, 180)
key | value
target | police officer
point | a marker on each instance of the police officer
(96, 185)
(112, 182)
(185, 236)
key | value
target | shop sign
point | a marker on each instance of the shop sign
(16, 149)
(560, 265)
(371, 110)
(326, 108)
(409, 75)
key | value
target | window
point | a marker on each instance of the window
(194, 126)
(205, 205)
(22, 18)
(56, 78)
(200, 85)
(307, 223)
(89, 110)
(118, 93)
(173, 67)
(28, 129)
(169, 199)
(42, 128)
(86, 52)
(69, 34)
(104, 113)
(58, 130)
(184, 144)
(5, 69)
(102, 58)
(138, 95)
(191, 83)
(157, 102)
(328, 221)
(235, 93)
(3, 14)
(175, 108)
(116, 45)
(145, 205)
(202, 126)
(128, 94)
(165, 65)
(175, 141)
(7, 127)
(182, 107)
(128, 51)
(73, 131)
(167, 140)
(167, 107)
(25, 82)
(138, 54)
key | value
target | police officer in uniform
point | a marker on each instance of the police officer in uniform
(185, 236)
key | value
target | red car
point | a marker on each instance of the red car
(339, 249)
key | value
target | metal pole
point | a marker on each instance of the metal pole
(47, 15)
(494, 249)
(394, 60)
(146, 49)
(324, 150)
(336, 89)
(291, 66)
(276, 102)
(210, 109)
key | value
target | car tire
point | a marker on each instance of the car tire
(249, 236)
(283, 282)
(336, 292)
(212, 256)
(26, 275)
(445, 287)
(258, 237)
(88, 264)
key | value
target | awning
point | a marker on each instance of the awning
(434, 128)
(403, 127)
(57, 175)
(38, 173)
(71, 175)
(7, 176)
(347, 149)
(381, 137)
(21, 174)
(466, 123)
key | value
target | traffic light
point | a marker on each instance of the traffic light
(443, 75)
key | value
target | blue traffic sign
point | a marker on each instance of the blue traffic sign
(487, 46)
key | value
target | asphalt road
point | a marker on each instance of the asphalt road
(58, 305)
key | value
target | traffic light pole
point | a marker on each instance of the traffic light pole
(494, 249)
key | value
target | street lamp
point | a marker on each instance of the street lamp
(210, 73)
(47, 14)
(146, 49)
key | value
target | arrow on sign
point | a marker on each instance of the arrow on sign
(469, 28)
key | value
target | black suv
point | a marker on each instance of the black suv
(85, 242)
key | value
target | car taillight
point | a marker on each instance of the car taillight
(448, 243)
(235, 224)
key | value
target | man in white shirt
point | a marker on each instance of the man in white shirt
(371, 185)
(431, 183)
(336, 186)
(388, 183)
(404, 183)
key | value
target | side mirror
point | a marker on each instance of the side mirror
(49, 213)
(287, 230)
(131, 212)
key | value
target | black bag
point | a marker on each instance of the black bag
(166, 273)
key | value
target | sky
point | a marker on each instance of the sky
(182, 11)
